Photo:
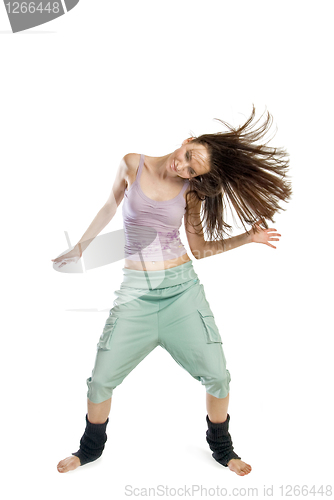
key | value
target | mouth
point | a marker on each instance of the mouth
(173, 166)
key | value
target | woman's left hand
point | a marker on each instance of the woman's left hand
(260, 235)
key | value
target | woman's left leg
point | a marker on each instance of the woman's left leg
(218, 436)
(187, 330)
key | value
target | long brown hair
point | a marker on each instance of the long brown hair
(252, 177)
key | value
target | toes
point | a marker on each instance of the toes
(64, 465)
(244, 469)
(247, 469)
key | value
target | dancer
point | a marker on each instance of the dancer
(161, 301)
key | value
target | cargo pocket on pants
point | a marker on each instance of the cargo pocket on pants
(211, 331)
(108, 330)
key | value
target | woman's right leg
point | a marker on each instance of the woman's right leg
(127, 338)
(123, 349)
(97, 413)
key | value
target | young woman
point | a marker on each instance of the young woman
(161, 301)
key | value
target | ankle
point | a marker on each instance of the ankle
(96, 421)
(218, 419)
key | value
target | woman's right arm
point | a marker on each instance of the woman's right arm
(104, 215)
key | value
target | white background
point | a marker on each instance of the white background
(77, 94)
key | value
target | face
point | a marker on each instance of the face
(190, 160)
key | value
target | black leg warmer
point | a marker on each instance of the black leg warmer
(92, 442)
(220, 441)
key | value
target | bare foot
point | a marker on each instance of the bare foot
(69, 463)
(239, 467)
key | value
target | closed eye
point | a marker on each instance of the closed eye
(191, 171)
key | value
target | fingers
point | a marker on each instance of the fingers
(59, 263)
(268, 230)
(62, 262)
(274, 234)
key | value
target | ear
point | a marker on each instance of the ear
(187, 140)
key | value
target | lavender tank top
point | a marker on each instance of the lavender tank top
(151, 227)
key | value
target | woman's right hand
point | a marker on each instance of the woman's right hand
(71, 256)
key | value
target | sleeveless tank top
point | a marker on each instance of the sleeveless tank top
(151, 228)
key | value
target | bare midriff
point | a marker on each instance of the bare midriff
(157, 265)
(154, 265)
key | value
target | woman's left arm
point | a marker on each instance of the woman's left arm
(257, 235)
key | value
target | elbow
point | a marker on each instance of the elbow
(196, 253)
(110, 210)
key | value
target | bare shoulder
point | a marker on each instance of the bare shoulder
(131, 161)
(129, 164)
(122, 178)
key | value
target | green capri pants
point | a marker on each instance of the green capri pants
(166, 308)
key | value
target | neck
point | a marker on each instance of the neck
(160, 166)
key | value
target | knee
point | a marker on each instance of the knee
(218, 386)
(98, 391)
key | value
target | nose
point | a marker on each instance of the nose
(180, 167)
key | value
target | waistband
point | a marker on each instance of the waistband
(161, 278)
